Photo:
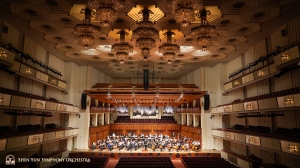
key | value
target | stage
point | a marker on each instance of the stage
(140, 153)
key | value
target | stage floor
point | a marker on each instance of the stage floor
(173, 154)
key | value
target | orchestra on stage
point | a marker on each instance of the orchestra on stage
(132, 142)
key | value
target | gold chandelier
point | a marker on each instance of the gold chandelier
(145, 35)
(105, 11)
(204, 32)
(184, 10)
(87, 31)
(168, 49)
(122, 48)
(169, 56)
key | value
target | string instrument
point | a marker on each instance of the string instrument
(160, 146)
(169, 147)
(183, 147)
(176, 147)
(153, 147)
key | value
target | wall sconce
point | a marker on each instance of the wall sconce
(249, 106)
(236, 83)
(36, 138)
(38, 104)
(53, 81)
(227, 135)
(3, 54)
(1, 99)
(285, 57)
(260, 73)
(62, 108)
(289, 101)
(60, 134)
(227, 108)
(293, 148)
(251, 140)
(28, 71)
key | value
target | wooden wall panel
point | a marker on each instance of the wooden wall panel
(93, 137)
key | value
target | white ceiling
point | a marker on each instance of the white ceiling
(237, 23)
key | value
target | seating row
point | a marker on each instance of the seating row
(164, 119)
(143, 162)
(206, 162)
(294, 132)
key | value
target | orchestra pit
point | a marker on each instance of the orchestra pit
(150, 83)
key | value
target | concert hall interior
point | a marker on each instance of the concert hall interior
(150, 83)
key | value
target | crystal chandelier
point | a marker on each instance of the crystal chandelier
(145, 35)
(105, 11)
(122, 48)
(122, 56)
(169, 56)
(204, 32)
(168, 49)
(87, 31)
(184, 10)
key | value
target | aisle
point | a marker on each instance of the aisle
(177, 163)
(111, 163)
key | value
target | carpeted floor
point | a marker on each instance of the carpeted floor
(113, 162)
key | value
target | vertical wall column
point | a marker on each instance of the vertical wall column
(94, 120)
(101, 119)
(107, 118)
(189, 119)
(196, 120)
(183, 119)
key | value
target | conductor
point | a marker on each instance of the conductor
(145, 144)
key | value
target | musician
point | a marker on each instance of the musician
(131, 145)
(109, 146)
(121, 145)
(146, 143)
(93, 145)
(136, 145)
(173, 135)
(102, 145)
(114, 135)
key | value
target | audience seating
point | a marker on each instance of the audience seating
(295, 132)
(95, 162)
(28, 95)
(51, 126)
(273, 166)
(251, 128)
(54, 153)
(5, 129)
(280, 93)
(145, 162)
(206, 162)
(163, 120)
(256, 161)
(19, 93)
(29, 127)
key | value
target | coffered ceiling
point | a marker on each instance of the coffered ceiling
(235, 21)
